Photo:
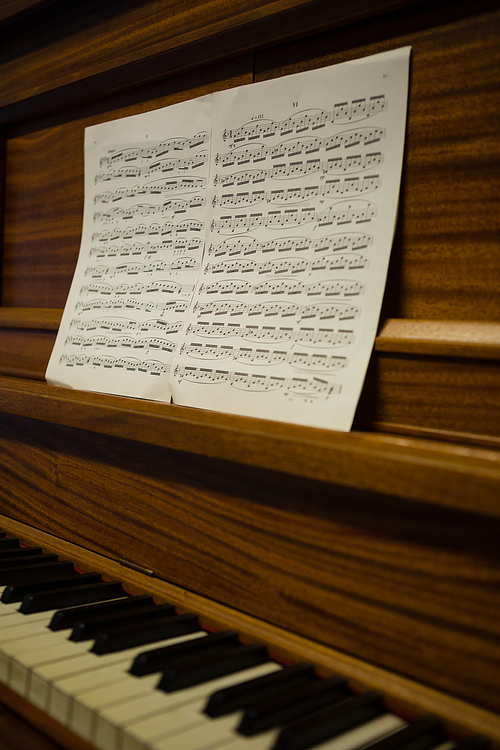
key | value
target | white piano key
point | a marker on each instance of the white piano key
(354, 739)
(114, 722)
(61, 693)
(212, 733)
(23, 664)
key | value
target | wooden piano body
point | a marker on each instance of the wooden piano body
(374, 553)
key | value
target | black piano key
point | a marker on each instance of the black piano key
(198, 670)
(424, 734)
(67, 618)
(18, 562)
(330, 722)
(21, 552)
(293, 705)
(17, 592)
(129, 636)
(40, 572)
(88, 627)
(263, 688)
(9, 543)
(158, 659)
(46, 600)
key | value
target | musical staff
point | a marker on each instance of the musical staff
(334, 288)
(312, 387)
(301, 169)
(182, 244)
(298, 360)
(250, 246)
(289, 265)
(357, 109)
(133, 269)
(310, 336)
(148, 367)
(151, 230)
(165, 287)
(281, 309)
(124, 341)
(347, 186)
(338, 214)
(120, 325)
(170, 165)
(179, 205)
(177, 306)
(154, 152)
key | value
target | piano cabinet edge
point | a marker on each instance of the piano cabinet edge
(403, 696)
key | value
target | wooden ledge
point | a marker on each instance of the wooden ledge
(440, 473)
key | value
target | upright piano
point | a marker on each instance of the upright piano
(375, 554)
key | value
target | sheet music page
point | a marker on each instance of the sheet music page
(142, 243)
(303, 196)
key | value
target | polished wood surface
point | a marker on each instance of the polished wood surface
(373, 553)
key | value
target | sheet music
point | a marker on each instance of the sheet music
(235, 247)
(303, 201)
(143, 234)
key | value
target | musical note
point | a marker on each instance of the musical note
(259, 152)
(357, 109)
(249, 246)
(322, 311)
(311, 336)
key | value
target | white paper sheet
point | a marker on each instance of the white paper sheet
(294, 199)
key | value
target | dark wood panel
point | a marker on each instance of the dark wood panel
(445, 260)
(25, 353)
(44, 186)
(439, 393)
(13, 9)
(403, 585)
(97, 48)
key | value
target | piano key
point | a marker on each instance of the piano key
(118, 639)
(330, 722)
(115, 723)
(18, 560)
(40, 572)
(424, 734)
(195, 671)
(17, 592)
(21, 552)
(247, 693)
(67, 618)
(360, 737)
(292, 705)
(10, 543)
(50, 600)
(91, 625)
(112, 679)
(157, 659)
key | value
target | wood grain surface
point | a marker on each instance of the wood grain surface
(404, 585)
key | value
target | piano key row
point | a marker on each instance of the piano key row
(214, 692)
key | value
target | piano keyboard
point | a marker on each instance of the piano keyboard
(127, 674)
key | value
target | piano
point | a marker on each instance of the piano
(373, 555)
